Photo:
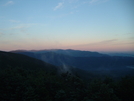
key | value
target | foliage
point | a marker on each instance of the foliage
(26, 79)
(19, 84)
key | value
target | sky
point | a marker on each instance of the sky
(93, 25)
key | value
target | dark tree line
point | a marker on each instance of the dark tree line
(19, 84)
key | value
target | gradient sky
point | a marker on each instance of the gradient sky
(94, 25)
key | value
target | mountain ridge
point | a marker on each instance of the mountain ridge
(89, 66)
(71, 52)
(57, 58)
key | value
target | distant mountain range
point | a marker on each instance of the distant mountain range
(69, 52)
(128, 54)
(85, 67)
(79, 59)
(92, 62)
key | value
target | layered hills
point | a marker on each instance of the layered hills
(92, 62)
(28, 78)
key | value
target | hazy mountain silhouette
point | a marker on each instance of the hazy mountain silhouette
(74, 53)
(95, 63)
(84, 60)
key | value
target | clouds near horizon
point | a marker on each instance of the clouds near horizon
(76, 24)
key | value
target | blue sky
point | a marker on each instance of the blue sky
(94, 25)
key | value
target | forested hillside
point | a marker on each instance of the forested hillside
(31, 82)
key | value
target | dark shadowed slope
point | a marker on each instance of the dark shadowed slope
(8, 60)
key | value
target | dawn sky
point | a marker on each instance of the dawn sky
(94, 25)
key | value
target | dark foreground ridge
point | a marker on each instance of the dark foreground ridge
(26, 79)
(8, 60)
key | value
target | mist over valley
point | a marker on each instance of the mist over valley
(91, 62)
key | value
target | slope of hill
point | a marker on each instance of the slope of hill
(8, 60)
(114, 66)
(27, 79)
